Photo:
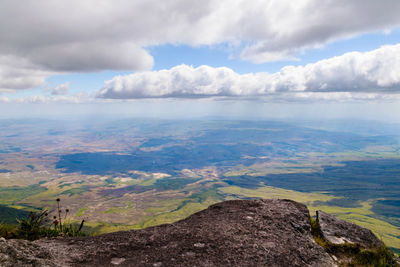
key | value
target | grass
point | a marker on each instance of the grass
(381, 256)
(10, 195)
(81, 212)
(8, 230)
(8, 214)
(41, 198)
(280, 167)
(76, 191)
(119, 209)
(173, 183)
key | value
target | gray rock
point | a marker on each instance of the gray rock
(23, 253)
(277, 235)
(338, 231)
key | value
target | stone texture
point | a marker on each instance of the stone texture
(338, 231)
(231, 233)
(23, 253)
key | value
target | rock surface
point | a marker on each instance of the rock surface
(231, 233)
(338, 231)
(23, 253)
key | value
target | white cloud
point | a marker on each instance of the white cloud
(373, 72)
(61, 89)
(94, 35)
(17, 73)
(292, 26)
(78, 98)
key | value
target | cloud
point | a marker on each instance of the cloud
(95, 35)
(17, 73)
(78, 98)
(293, 26)
(61, 89)
(92, 56)
(373, 72)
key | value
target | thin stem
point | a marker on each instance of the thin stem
(59, 214)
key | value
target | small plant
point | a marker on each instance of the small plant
(37, 225)
(381, 256)
(315, 228)
(60, 225)
(31, 227)
(73, 229)
(59, 213)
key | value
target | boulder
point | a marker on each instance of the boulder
(338, 231)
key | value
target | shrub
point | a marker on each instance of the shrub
(380, 257)
(36, 225)
(31, 227)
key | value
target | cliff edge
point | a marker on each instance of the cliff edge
(259, 232)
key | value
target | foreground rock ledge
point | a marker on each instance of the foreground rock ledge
(232, 233)
(338, 231)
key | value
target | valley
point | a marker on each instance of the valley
(122, 174)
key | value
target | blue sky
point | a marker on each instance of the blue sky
(139, 55)
(168, 56)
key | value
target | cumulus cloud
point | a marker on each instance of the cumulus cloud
(377, 71)
(17, 73)
(61, 89)
(95, 35)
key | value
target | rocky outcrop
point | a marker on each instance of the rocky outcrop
(23, 253)
(231, 233)
(338, 231)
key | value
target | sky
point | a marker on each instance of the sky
(186, 58)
